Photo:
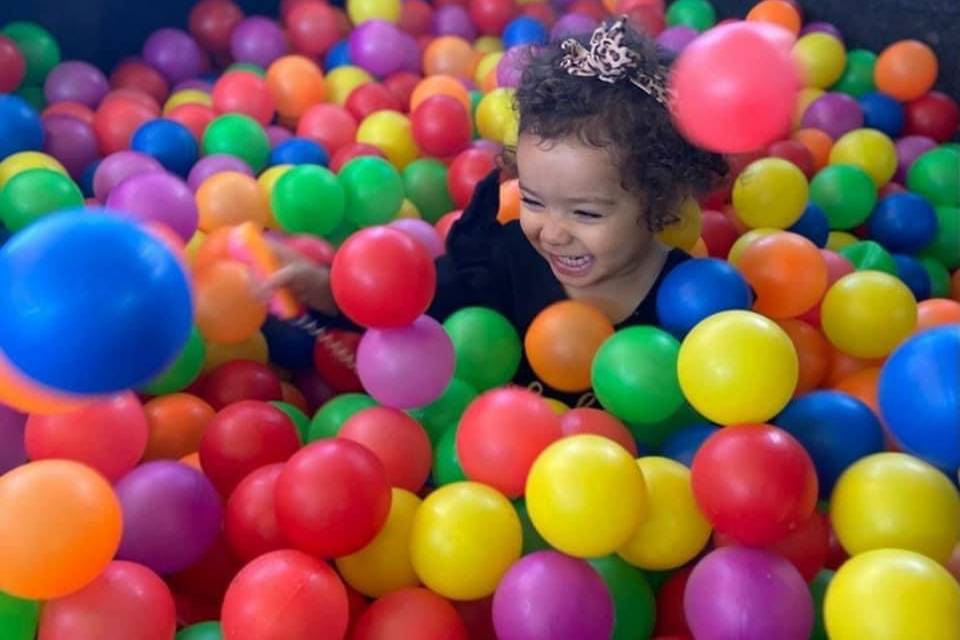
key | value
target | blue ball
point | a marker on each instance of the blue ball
(914, 275)
(169, 142)
(835, 428)
(337, 56)
(813, 225)
(523, 30)
(683, 445)
(289, 346)
(299, 151)
(20, 126)
(699, 288)
(903, 223)
(86, 179)
(91, 303)
(882, 112)
(919, 395)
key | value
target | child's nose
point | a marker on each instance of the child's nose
(555, 233)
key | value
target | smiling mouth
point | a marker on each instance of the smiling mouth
(571, 265)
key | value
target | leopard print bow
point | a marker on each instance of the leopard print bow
(609, 60)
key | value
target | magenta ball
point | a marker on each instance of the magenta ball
(410, 54)
(119, 166)
(12, 450)
(550, 596)
(423, 232)
(278, 134)
(909, 148)
(511, 65)
(374, 46)
(314, 388)
(216, 163)
(676, 38)
(171, 515)
(834, 114)
(749, 594)
(71, 141)
(258, 40)
(406, 367)
(157, 197)
(572, 24)
(175, 54)
(822, 27)
(76, 81)
(453, 20)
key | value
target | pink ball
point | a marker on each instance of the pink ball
(119, 166)
(157, 197)
(423, 232)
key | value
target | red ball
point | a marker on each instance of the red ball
(477, 615)
(370, 98)
(194, 117)
(598, 422)
(671, 618)
(412, 613)
(718, 233)
(398, 441)
(240, 380)
(383, 278)
(500, 435)
(441, 126)
(351, 151)
(805, 548)
(204, 583)
(445, 222)
(13, 67)
(312, 28)
(540, 11)
(644, 16)
(491, 16)
(72, 109)
(127, 600)
(109, 435)
(329, 124)
(836, 554)
(402, 84)
(755, 483)
(466, 170)
(332, 498)
(243, 437)
(119, 116)
(136, 74)
(285, 595)
(935, 115)
(416, 17)
(244, 92)
(794, 151)
(212, 22)
(592, 8)
(335, 357)
(250, 521)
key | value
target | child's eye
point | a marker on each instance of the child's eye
(530, 202)
(590, 215)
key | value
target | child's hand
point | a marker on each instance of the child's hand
(309, 283)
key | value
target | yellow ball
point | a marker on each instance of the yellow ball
(362, 10)
(675, 530)
(558, 407)
(408, 210)
(267, 181)
(391, 132)
(804, 99)
(868, 149)
(488, 44)
(343, 80)
(253, 348)
(26, 160)
(837, 240)
(586, 496)
(868, 313)
(744, 241)
(187, 96)
(891, 594)
(737, 367)
(895, 500)
(193, 246)
(487, 64)
(465, 536)
(685, 232)
(771, 192)
(822, 59)
(497, 116)
(384, 564)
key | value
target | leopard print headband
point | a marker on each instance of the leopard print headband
(609, 60)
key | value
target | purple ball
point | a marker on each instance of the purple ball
(277, 134)
(511, 65)
(822, 27)
(12, 450)
(156, 196)
(313, 387)
(453, 20)
(71, 141)
(487, 145)
(171, 516)
(834, 114)
(549, 596)
(909, 148)
(216, 163)
(258, 40)
(423, 232)
(76, 81)
(749, 594)
(410, 54)
(175, 54)
(194, 83)
(119, 166)
(572, 24)
(676, 38)
(374, 46)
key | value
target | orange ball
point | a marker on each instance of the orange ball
(451, 55)
(20, 393)
(813, 352)
(818, 143)
(862, 385)
(787, 272)
(509, 201)
(777, 12)
(176, 422)
(843, 365)
(296, 84)
(562, 341)
(231, 198)
(937, 312)
(439, 85)
(213, 248)
(906, 70)
(226, 309)
(699, 249)
(192, 460)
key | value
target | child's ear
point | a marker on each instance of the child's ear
(507, 163)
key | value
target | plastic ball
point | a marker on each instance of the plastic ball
(250, 523)
(883, 113)
(329, 125)
(410, 611)
(240, 379)
(496, 117)
(308, 199)
(212, 21)
(226, 309)
(140, 76)
(390, 132)
(935, 175)
(523, 30)
(786, 272)
(175, 54)
(833, 113)
(71, 141)
(441, 126)
(75, 81)
(176, 422)
(857, 77)
(906, 70)
(561, 343)
(333, 414)
(374, 45)
(937, 312)
(156, 197)
(942, 248)
(35, 193)
(373, 189)
(868, 149)
(398, 441)
(845, 193)
(258, 40)
(771, 192)
(934, 114)
(696, 14)
(813, 353)
(312, 28)
(13, 64)
(903, 222)
(487, 347)
(466, 171)
(822, 59)
(361, 11)
(238, 135)
(425, 186)
(370, 98)
(868, 313)
(295, 84)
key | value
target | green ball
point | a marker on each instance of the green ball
(34, 96)
(247, 66)
(184, 370)
(425, 183)
(475, 97)
(446, 410)
(857, 78)
(34, 193)
(201, 631)
(487, 347)
(818, 590)
(343, 231)
(331, 416)
(374, 190)
(298, 417)
(532, 540)
(946, 244)
(936, 176)
(696, 14)
(446, 463)
(634, 375)
(308, 199)
(846, 194)
(238, 135)
(18, 618)
(867, 255)
(939, 277)
(634, 605)
(40, 50)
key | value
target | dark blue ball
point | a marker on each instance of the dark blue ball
(699, 288)
(86, 179)
(813, 225)
(914, 275)
(20, 126)
(523, 30)
(337, 56)
(882, 112)
(299, 151)
(683, 445)
(289, 346)
(169, 142)
(903, 223)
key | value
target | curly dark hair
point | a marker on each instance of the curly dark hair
(656, 162)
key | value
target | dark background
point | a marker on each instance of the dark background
(103, 31)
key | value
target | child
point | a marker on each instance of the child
(601, 169)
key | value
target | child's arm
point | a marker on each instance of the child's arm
(308, 282)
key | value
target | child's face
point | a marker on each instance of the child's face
(575, 212)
